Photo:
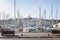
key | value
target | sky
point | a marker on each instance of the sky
(30, 7)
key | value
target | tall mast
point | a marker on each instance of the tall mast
(0, 15)
(56, 14)
(39, 12)
(39, 16)
(4, 15)
(14, 8)
(18, 13)
(44, 17)
(51, 11)
(52, 14)
(7, 16)
(44, 13)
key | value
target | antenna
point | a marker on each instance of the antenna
(14, 8)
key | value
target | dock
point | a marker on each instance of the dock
(32, 35)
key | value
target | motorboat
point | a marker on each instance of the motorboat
(56, 31)
(7, 32)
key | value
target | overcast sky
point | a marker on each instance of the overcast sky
(30, 7)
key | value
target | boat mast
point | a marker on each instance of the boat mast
(14, 8)
(52, 14)
(39, 16)
(56, 14)
(44, 17)
(18, 14)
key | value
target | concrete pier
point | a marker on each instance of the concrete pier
(33, 35)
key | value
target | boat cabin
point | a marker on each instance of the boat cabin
(7, 32)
